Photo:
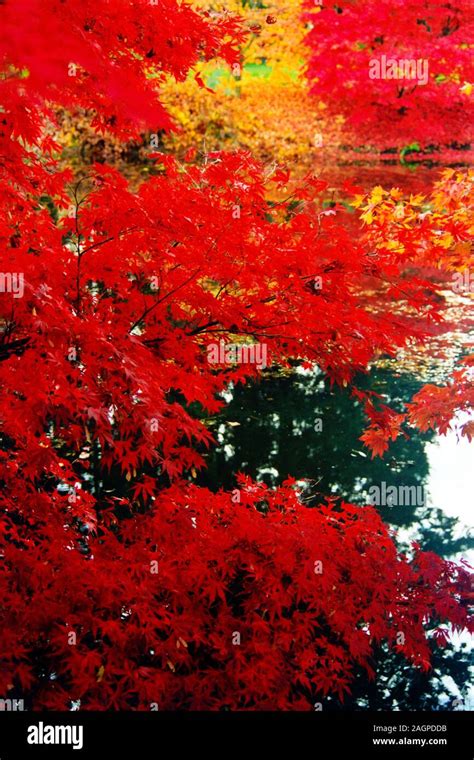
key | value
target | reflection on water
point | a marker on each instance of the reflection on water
(451, 465)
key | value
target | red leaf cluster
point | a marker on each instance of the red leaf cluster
(395, 105)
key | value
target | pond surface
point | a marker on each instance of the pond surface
(451, 467)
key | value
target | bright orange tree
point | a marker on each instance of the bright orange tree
(123, 584)
(262, 103)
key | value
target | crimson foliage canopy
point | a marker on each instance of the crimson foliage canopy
(123, 584)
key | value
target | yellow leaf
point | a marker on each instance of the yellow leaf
(446, 240)
(357, 201)
(376, 195)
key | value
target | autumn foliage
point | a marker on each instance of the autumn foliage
(124, 584)
(397, 109)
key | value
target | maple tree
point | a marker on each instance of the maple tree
(124, 584)
(395, 108)
(436, 231)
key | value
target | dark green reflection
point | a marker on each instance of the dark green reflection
(273, 429)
